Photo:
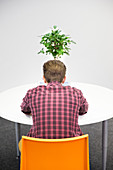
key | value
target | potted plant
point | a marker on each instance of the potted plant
(55, 43)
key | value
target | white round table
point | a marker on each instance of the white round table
(100, 101)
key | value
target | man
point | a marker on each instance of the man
(55, 108)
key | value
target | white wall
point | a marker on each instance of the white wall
(89, 22)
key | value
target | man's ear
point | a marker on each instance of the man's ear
(64, 79)
(44, 79)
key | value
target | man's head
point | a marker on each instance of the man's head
(54, 70)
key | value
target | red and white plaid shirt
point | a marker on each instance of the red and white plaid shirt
(55, 110)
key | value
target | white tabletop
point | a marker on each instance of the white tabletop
(100, 101)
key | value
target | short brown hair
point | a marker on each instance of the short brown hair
(54, 70)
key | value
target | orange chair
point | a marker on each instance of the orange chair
(55, 154)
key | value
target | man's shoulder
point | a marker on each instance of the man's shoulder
(76, 90)
(72, 89)
(34, 89)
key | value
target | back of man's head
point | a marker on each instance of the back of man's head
(54, 70)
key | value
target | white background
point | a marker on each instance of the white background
(88, 22)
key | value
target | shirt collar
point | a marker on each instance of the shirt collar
(54, 83)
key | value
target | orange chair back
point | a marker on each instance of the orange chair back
(55, 154)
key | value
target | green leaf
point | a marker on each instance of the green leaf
(41, 51)
(73, 41)
(66, 53)
(54, 26)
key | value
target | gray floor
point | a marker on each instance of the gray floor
(8, 159)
